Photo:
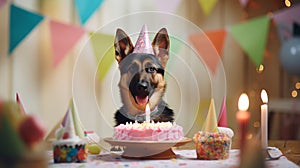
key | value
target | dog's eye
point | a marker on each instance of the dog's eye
(151, 69)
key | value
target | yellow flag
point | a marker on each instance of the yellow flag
(207, 5)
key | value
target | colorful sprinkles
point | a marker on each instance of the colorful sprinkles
(211, 145)
(70, 154)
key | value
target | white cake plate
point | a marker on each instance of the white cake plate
(147, 149)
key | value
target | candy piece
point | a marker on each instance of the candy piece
(31, 130)
(94, 149)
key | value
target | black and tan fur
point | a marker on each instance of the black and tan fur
(142, 75)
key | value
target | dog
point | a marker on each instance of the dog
(142, 79)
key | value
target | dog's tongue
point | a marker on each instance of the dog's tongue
(141, 101)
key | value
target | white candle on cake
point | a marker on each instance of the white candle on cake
(264, 119)
(147, 111)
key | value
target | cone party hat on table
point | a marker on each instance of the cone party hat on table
(20, 104)
(79, 129)
(143, 44)
(211, 119)
(69, 129)
(222, 122)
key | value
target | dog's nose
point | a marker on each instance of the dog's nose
(143, 86)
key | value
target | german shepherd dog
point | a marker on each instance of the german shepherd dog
(142, 79)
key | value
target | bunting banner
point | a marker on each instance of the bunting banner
(104, 52)
(169, 6)
(63, 38)
(86, 8)
(284, 21)
(2, 2)
(247, 35)
(207, 5)
(207, 51)
(21, 24)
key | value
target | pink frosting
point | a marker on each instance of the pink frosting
(164, 131)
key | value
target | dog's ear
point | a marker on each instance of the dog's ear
(123, 45)
(161, 44)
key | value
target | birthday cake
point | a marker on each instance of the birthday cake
(161, 131)
(69, 147)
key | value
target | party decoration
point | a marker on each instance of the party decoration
(79, 129)
(103, 51)
(217, 37)
(20, 104)
(207, 5)
(244, 3)
(252, 36)
(206, 51)
(143, 44)
(2, 2)
(21, 24)
(63, 38)
(222, 122)
(86, 8)
(211, 119)
(284, 20)
(167, 5)
(290, 55)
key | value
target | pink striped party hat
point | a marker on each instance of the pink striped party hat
(143, 44)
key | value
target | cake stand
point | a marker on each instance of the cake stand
(147, 149)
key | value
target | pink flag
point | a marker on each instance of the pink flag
(2, 2)
(20, 104)
(222, 122)
(63, 38)
(284, 21)
(167, 5)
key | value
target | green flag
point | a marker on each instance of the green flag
(252, 36)
(103, 46)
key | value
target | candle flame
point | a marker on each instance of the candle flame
(243, 103)
(264, 96)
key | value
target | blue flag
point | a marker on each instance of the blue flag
(86, 8)
(21, 24)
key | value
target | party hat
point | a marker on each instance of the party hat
(143, 44)
(79, 129)
(222, 122)
(211, 119)
(69, 129)
(20, 104)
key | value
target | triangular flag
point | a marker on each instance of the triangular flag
(206, 50)
(211, 119)
(63, 38)
(20, 104)
(103, 46)
(252, 36)
(11, 144)
(21, 24)
(86, 8)
(207, 5)
(284, 20)
(2, 2)
(217, 37)
(222, 122)
(167, 5)
(79, 129)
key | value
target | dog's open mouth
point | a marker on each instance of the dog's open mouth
(141, 100)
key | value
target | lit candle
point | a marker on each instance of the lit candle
(243, 117)
(264, 119)
(147, 111)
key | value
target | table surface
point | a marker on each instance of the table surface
(186, 157)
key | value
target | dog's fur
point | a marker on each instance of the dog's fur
(142, 78)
